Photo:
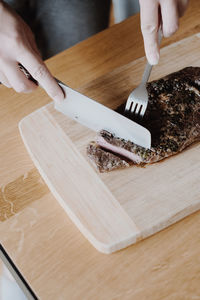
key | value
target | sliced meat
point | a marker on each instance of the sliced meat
(172, 117)
(105, 161)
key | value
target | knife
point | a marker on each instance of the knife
(97, 117)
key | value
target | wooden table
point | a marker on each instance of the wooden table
(50, 252)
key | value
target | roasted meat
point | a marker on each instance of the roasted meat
(172, 117)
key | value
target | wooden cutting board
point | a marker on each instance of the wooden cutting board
(116, 209)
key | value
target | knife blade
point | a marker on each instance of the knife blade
(97, 117)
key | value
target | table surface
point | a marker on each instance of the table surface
(50, 252)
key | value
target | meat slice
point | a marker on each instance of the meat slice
(105, 161)
(172, 116)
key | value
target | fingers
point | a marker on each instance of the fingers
(36, 67)
(17, 45)
(149, 26)
(169, 12)
(16, 78)
(4, 80)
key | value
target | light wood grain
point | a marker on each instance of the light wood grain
(153, 197)
(75, 185)
(53, 256)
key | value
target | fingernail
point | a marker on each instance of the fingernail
(153, 59)
(59, 99)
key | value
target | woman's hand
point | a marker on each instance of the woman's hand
(17, 46)
(154, 13)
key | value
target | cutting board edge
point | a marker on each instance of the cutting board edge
(168, 222)
(103, 247)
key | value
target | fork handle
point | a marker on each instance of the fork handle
(146, 74)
